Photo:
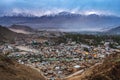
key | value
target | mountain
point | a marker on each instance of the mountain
(6, 34)
(21, 29)
(11, 70)
(65, 21)
(108, 70)
(115, 30)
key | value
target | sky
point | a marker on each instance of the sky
(46, 7)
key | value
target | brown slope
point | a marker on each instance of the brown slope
(10, 70)
(22, 27)
(6, 34)
(108, 70)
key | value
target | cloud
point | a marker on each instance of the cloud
(35, 12)
(42, 7)
(98, 12)
(42, 12)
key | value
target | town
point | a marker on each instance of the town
(56, 61)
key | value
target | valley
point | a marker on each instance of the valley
(59, 55)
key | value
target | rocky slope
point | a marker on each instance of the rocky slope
(10, 70)
(6, 34)
(108, 70)
(21, 29)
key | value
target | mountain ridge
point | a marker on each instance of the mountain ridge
(21, 27)
(6, 34)
(55, 14)
(115, 30)
(64, 20)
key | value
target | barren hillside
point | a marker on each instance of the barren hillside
(10, 70)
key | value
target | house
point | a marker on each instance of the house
(76, 68)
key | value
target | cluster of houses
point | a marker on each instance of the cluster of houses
(55, 61)
(58, 61)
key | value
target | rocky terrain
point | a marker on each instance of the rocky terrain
(6, 34)
(11, 70)
(108, 70)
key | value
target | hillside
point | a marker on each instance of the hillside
(108, 70)
(10, 70)
(114, 30)
(6, 34)
(21, 27)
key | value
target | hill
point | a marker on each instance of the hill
(108, 70)
(21, 27)
(6, 34)
(10, 70)
(115, 30)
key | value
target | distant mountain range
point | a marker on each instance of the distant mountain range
(65, 21)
